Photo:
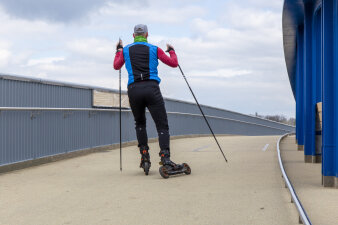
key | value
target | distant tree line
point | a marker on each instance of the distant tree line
(278, 118)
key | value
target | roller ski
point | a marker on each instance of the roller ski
(169, 168)
(145, 159)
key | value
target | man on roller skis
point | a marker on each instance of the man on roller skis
(141, 59)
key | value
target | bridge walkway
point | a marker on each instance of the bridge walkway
(321, 204)
(91, 189)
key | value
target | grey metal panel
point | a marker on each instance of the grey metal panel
(179, 106)
(79, 94)
(20, 94)
(56, 99)
(52, 82)
(51, 133)
(26, 135)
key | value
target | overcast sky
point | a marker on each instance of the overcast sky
(231, 51)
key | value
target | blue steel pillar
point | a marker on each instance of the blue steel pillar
(335, 71)
(317, 54)
(329, 95)
(317, 76)
(310, 86)
(300, 112)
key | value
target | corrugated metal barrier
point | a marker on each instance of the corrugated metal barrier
(59, 118)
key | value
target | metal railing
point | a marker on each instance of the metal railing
(13, 77)
(126, 110)
(302, 214)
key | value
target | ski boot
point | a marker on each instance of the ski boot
(145, 159)
(170, 168)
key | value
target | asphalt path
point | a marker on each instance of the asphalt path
(92, 190)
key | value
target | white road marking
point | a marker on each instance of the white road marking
(201, 148)
(265, 147)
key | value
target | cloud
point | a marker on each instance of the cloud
(4, 57)
(236, 65)
(44, 61)
(265, 4)
(243, 17)
(231, 52)
(98, 50)
(51, 10)
(220, 73)
(5, 53)
(153, 12)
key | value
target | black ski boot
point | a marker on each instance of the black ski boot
(169, 168)
(145, 159)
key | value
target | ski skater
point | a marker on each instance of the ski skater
(141, 59)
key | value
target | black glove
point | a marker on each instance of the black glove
(169, 48)
(119, 45)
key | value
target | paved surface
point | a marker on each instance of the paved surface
(321, 204)
(91, 189)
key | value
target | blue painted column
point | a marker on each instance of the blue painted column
(317, 54)
(335, 75)
(310, 86)
(298, 90)
(329, 136)
(317, 75)
(300, 112)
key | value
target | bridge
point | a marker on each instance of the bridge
(59, 162)
(44, 122)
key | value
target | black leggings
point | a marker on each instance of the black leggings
(148, 94)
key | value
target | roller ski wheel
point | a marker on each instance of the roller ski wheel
(146, 167)
(169, 170)
(145, 159)
(187, 169)
(164, 172)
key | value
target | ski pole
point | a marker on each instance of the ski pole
(205, 118)
(120, 122)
